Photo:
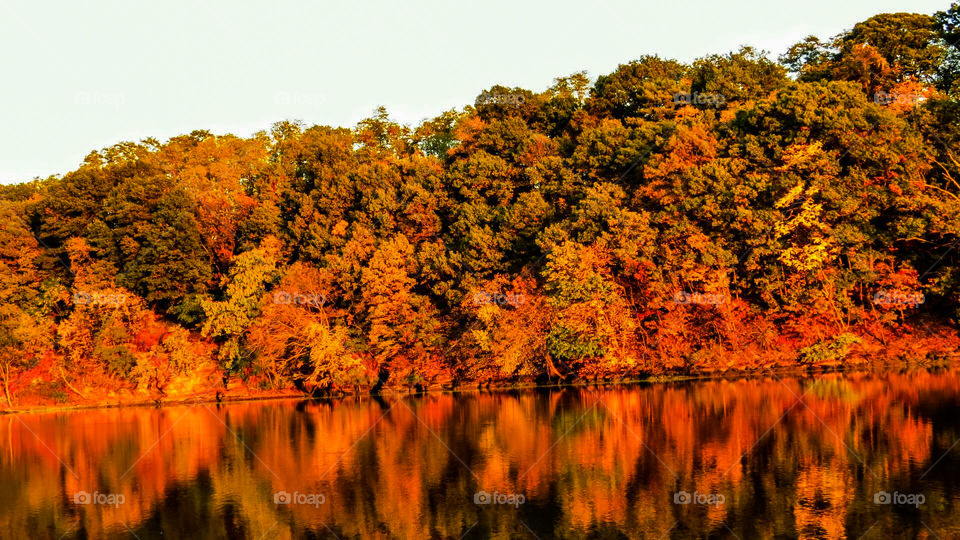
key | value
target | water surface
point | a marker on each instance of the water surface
(765, 458)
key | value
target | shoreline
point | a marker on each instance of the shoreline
(950, 362)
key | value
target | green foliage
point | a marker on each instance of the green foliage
(835, 349)
(907, 41)
(229, 319)
(567, 344)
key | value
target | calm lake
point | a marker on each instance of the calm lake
(834, 456)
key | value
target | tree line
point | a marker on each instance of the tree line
(730, 213)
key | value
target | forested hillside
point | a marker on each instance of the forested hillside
(733, 213)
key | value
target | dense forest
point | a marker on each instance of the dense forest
(732, 213)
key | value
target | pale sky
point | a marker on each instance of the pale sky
(80, 75)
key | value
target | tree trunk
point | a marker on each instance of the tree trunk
(6, 384)
(63, 376)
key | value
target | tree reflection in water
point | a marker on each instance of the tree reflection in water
(764, 458)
